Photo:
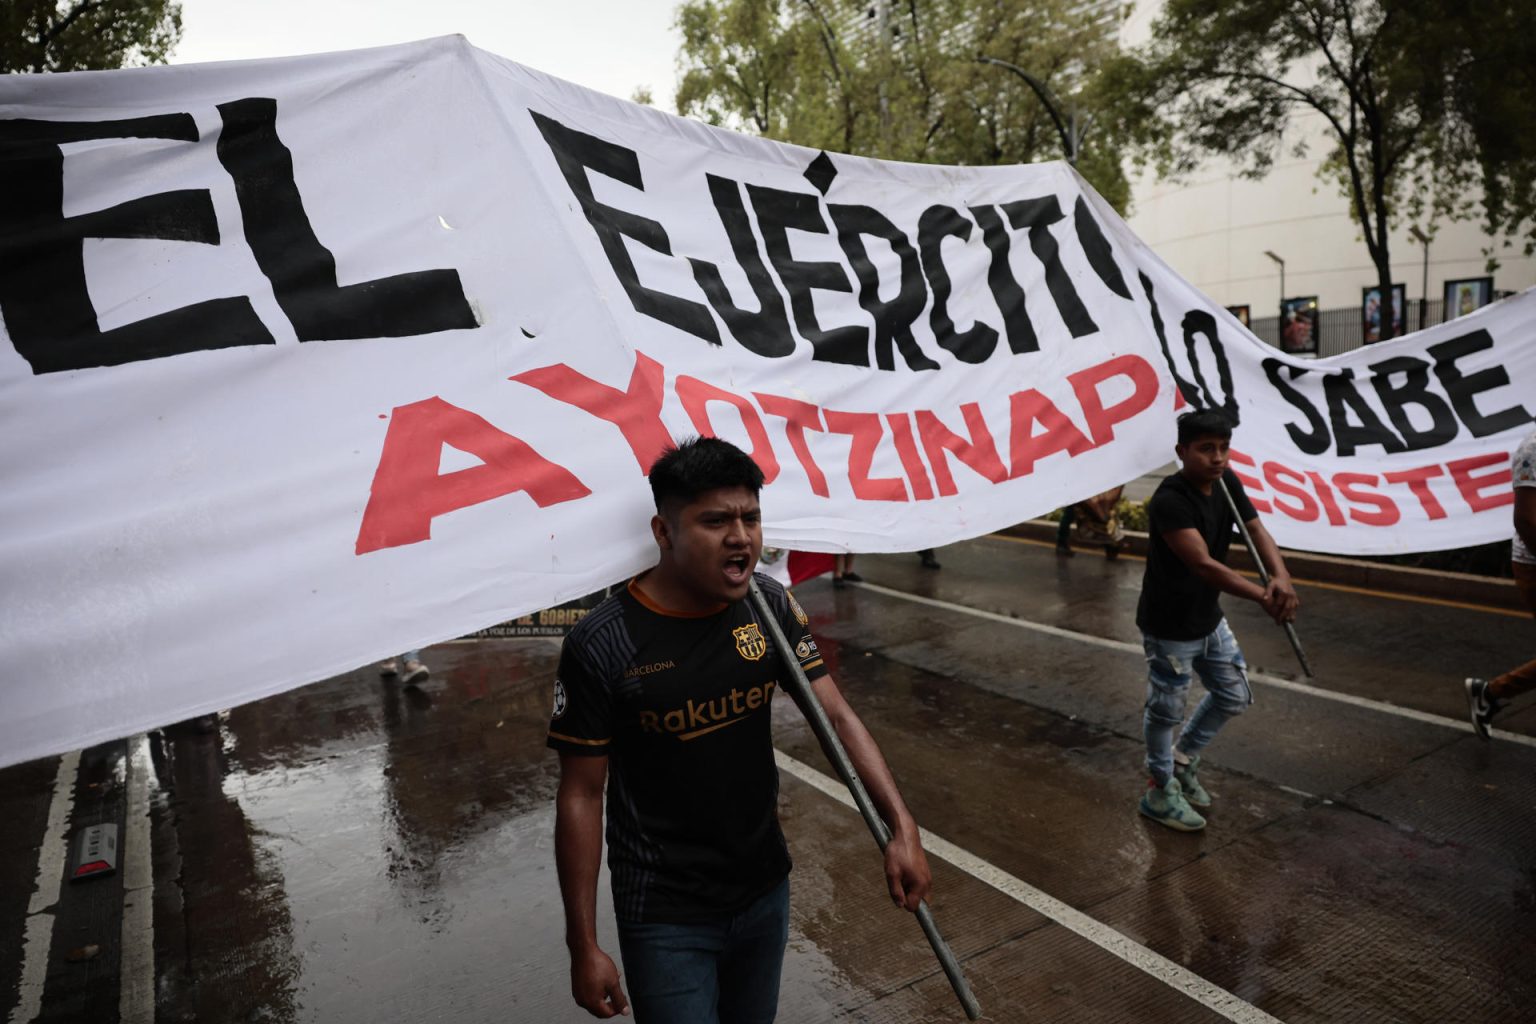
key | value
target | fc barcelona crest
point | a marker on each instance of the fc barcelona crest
(750, 642)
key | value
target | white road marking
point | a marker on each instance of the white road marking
(1176, 976)
(136, 995)
(1258, 677)
(38, 943)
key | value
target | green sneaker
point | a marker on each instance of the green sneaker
(1167, 806)
(1189, 782)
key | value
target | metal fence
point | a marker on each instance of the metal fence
(1342, 330)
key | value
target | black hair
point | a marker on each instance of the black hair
(1204, 423)
(701, 464)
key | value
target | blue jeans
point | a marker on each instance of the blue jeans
(1224, 673)
(724, 971)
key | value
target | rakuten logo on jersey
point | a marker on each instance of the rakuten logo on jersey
(696, 718)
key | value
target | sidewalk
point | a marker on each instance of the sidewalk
(1309, 567)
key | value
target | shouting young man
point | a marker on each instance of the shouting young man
(1182, 625)
(663, 694)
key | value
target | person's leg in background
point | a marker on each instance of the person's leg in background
(407, 666)
(842, 571)
(1064, 532)
(1487, 697)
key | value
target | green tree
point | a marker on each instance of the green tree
(1425, 102)
(86, 35)
(899, 79)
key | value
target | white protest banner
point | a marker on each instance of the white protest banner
(1395, 447)
(308, 361)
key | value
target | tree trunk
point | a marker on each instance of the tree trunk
(1382, 256)
(1388, 313)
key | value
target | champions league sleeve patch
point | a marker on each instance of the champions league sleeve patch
(794, 606)
(559, 700)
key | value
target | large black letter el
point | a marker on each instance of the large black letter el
(302, 271)
(43, 293)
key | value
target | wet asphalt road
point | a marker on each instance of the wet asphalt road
(360, 851)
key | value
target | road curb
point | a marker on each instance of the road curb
(1307, 566)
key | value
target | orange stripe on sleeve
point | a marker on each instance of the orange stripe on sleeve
(577, 739)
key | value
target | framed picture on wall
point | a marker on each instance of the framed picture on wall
(1467, 294)
(1298, 325)
(1370, 311)
(1241, 312)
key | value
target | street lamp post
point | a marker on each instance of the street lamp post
(1068, 129)
(1280, 261)
(1424, 288)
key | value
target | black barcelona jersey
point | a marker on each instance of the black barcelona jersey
(680, 706)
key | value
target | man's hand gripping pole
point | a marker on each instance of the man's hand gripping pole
(1258, 563)
(822, 727)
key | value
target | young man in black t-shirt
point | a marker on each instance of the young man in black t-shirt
(664, 692)
(1180, 617)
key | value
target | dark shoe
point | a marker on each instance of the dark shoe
(929, 562)
(1481, 707)
(1112, 552)
(853, 577)
(837, 582)
(1065, 550)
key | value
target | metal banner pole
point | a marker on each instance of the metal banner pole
(1253, 553)
(816, 716)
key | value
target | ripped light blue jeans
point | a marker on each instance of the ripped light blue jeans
(1170, 667)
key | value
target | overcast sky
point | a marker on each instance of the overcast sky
(609, 45)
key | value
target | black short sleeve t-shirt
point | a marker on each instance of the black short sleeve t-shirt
(680, 707)
(1175, 603)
